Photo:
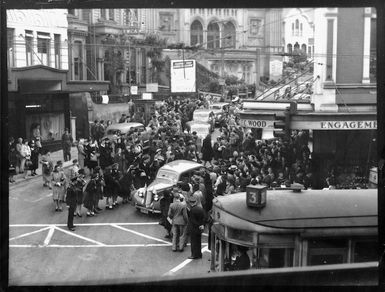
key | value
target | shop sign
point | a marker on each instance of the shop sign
(256, 123)
(152, 87)
(348, 125)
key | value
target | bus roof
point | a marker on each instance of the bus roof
(307, 209)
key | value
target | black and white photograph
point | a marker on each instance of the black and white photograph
(192, 146)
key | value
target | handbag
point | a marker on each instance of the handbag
(28, 163)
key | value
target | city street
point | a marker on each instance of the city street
(118, 245)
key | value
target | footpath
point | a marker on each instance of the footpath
(55, 156)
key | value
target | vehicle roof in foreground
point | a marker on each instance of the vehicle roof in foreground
(307, 209)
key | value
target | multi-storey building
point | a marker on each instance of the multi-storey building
(298, 26)
(37, 74)
(232, 41)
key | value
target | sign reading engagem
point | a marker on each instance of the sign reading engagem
(349, 125)
(183, 76)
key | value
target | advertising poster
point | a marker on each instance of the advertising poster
(183, 76)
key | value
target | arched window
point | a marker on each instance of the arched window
(213, 36)
(300, 30)
(296, 48)
(229, 36)
(296, 24)
(196, 32)
(292, 28)
(303, 48)
(289, 48)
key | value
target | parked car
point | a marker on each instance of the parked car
(147, 199)
(123, 129)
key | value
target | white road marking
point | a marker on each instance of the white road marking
(140, 234)
(34, 201)
(81, 237)
(93, 245)
(49, 235)
(184, 263)
(84, 224)
(30, 233)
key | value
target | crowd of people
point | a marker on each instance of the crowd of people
(107, 169)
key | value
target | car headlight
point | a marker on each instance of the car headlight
(156, 197)
(141, 193)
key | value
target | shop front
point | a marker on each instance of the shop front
(38, 105)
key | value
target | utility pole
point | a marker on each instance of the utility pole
(223, 70)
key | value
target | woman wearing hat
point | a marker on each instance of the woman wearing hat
(34, 157)
(58, 180)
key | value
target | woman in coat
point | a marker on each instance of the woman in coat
(34, 157)
(207, 150)
(58, 180)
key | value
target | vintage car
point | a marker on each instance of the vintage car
(122, 129)
(201, 128)
(147, 199)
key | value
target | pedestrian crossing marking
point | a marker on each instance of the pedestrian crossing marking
(29, 233)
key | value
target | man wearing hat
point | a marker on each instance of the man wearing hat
(197, 217)
(71, 202)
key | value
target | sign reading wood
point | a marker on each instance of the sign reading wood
(257, 123)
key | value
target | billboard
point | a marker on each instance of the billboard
(183, 76)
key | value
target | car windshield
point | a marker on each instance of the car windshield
(168, 175)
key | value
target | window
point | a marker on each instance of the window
(166, 21)
(77, 60)
(10, 47)
(111, 15)
(296, 27)
(303, 48)
(255, 25)
(373, 51)
(292, 29)
(327, 251)
(71, 11)
(103, 13)
(365, 251)
(196, 33)
(213, 40)
(290, 49)
(300, 30)
(329, 49)
(29, 47)
(57, 50)
(275, 257)
(229, 39)
(43, 47)
(309, 51)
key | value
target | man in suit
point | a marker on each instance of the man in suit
(178, 214)
(74, 187)
(196, 225)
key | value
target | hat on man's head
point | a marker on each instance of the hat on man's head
(74, 161)
(81, 171)
(59, 162)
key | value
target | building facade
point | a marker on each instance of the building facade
(37, 74)
(341, 115)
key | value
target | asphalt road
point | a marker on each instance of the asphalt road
(116, 246)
